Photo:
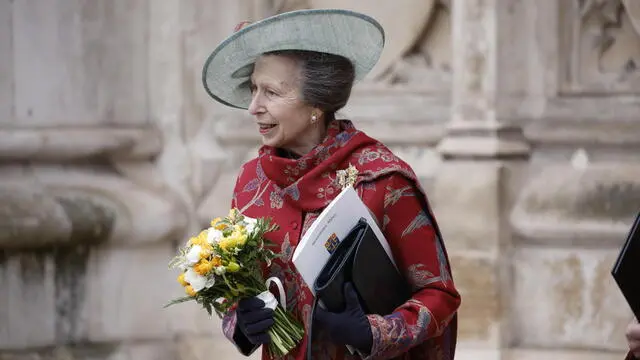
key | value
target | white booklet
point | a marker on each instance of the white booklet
(331, 226)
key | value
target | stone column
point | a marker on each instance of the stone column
(481, 147)
(481, 54)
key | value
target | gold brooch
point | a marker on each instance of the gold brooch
(347, 177)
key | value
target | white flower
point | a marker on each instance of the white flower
(220, 270)
(214, 236)
(210, 282)
(193, 256)
(197, 281)
(251, 224)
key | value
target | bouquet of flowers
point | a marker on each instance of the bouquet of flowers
(222, 265)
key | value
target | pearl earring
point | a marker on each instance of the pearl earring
(313, 119)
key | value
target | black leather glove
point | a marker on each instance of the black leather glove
(350, 327)
(253, 319)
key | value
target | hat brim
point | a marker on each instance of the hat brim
(355, 36)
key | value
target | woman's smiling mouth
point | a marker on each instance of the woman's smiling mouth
(265, 128)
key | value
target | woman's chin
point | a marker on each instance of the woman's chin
(270, 141)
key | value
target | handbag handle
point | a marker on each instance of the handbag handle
(268, 298)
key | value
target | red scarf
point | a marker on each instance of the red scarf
(309, 181)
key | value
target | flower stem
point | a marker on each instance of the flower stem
(285, 333)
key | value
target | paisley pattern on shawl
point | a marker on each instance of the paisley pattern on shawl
(294, 191)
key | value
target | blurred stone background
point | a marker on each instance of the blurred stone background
(522, 119)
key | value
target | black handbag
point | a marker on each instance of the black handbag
(360, 259)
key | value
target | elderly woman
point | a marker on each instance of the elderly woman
(293, 72)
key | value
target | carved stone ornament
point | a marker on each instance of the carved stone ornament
(633, 10)
(403, 22)
(601, 46)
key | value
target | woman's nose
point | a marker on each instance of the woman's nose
(255, 105)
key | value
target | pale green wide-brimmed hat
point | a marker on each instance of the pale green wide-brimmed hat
(355, 36)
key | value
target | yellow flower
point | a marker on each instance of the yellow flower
(241, 239)
(203, 267)
(216, 261)
(226, 243)
(200, 239)
(218, 224)
(233, 267)
(181, 280)
(207, 250)
(189, 290)
(236, 239)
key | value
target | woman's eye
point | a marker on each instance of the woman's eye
(271, 93)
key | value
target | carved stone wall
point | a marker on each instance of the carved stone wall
(575, 202)
(520, 118)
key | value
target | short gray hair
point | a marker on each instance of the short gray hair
(327, 79)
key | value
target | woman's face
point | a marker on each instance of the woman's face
(282, 118)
